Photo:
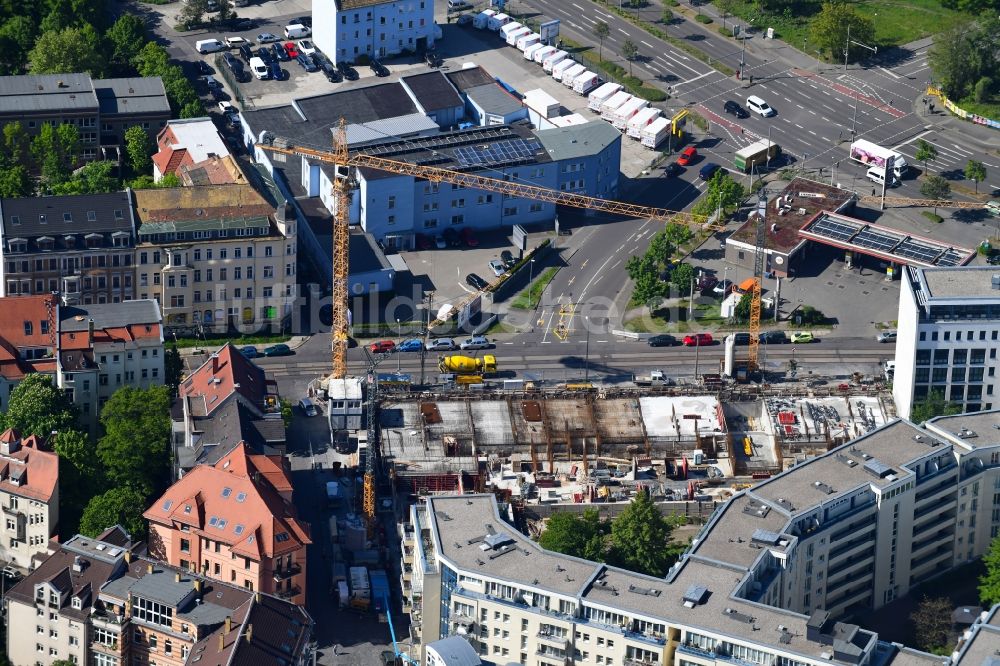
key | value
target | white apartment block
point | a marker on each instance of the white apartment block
(29, 498)
(948, 328)
(347, 29)
(762, 584)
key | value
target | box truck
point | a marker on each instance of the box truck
(875, 155)
(482, 19)
(498, 21)
(569, 74)
(624, 113)
(516, 34)
(542, 103)
(530, 39)
(541, 54)
(602, 95)
(585, 82)
(616, 100)
(638, 121)
(655, 132)
(529, 52)
(560, 67)
(550, 62)
(508, 28)
(756, 154)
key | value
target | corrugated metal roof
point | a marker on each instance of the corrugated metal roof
(390, 128)
(563, 143)
(491, 98)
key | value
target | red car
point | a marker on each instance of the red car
(687, 157)
(382, 346)
(698, 340)
(424, 242)
(291, 50)
(469, 238)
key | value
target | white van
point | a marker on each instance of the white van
(877, 176)
(296, 31)
(259, 68)
(209, 45)
(757, 105)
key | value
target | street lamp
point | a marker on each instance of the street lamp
(847, 46)
(531, 277)
(586, 371)
(399, 332)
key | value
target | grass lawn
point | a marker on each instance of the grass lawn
(988, 109)
(500, 327)
(239, 340)
(662, 321)
(529, 297)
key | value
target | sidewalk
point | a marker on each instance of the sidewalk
(293, 344)
(984, 138)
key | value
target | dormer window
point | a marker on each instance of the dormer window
(15, 219)
(91, 216)
(67, 217)
(77, 603)
(46, 243)
(17, 245)
(70, 241)
(41, 219)
(94, 240)
(118, 215)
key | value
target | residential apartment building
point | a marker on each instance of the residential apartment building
(216, 257)
(29, 497)
(82, 246)
(105, 347)
(28, 340)
(193, 150)
(234, 521)
(948, 327)
(763, 582)
(102, 109)
(348, 29)
(93, 601)
(226, 401)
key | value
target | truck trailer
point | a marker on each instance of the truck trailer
(482, 20)
(569, 74)
(624, 113)
(553, 59)
(541, 54)
(875, 155)
(609, 107)
(514, 35)
(640, 120)
(585, 82)
(602, 95)
(655, 132)
(756, 154)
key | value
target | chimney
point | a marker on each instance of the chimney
(90, 332)
(197, 585)
(128, 557)
(229, 624)
(249, 633)
(256, 597)
(222, 641)
(177, 577)
(215, 363)
(149, 568)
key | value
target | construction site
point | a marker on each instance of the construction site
(600, 446)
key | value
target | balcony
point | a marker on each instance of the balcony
(103, 619)
(852, 547)
(930, 558)
(283, 574)
(629, 661)
(851, 564)
(288, 594)
(561, 641)
(948, 485)
(855, 529)
(932, 509)
(105, 648)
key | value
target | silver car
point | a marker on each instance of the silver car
(886, 336)
(476, 342)
(497, 267)
(441, 344)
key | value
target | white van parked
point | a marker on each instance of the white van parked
(296, 31)
(877, 176)
(209, 45)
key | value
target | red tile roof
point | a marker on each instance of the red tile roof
(222, 375)
(17, 310)
(238, 494)
(37, 468)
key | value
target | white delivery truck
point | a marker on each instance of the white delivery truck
(554, 60)
(508, 28)
(585, 82)
(542, 103)
(515, 35)
(530, 39)
(875, 155)
(624, 113)
(529, 52)
(608, 108)
(541, 54)
(482, 20)
(655, 132)
(634, 126)
(602, 95)
(560, 67)
(498, 21)
(568, 75)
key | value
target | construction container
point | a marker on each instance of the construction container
(379, 590)
(542, 103)
(360, 586)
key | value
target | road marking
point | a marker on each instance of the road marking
(825, 139)
(814, 134)
(895, 76)
(623, 31)
(700, 76)
(507, 343)
(801, 107)
(597, 11)
(578, 7)
(647, 44)
(799, 126)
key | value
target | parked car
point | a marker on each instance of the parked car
(469, 238)
(993, 260)
(741, 339)
(672, 170)
(308, 407)
(722, 288)
(277, 73)
(476, 282)
(507, 257)
(411, 345)
(249, 352)
(424, 242)
(278, 350)
(280, 53)
(993, 207)
(706, 282)
(886, 336)
(440, 243)
(331, 73)
(246, 52)
(302, 20)
(698, 340)
(662, 341)
(802, 337)
(306, 46)
(235, 41)
(735, 109)
(10, 573)
(382, 347)
(307, 63)
(211, 82)
(476, 342)
(347, 71)
(441, 344)
(267, 38)
(265, 54)
(204, 67)
(452, 237)
(687, 156)
(497, 267)
(773, 338)
(291, 50)
(227, 108)
(707, 171)
(378, 68)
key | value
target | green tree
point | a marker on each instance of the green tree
(152, 59)
(92, 178)
(601, 31)
(660, 249)
(15, 181)
(139, 148)
(225, 15)
(173, 369)
(809, 315)
(741, 312)
(933, 405)
(286, 412)
(935, 187)
(135, 448)
(926, 152)
(828, 30)
(723, 193)
(932, 622)
(981, 91)
(681, 278)
(976, 172)
(678, 234)
(193, 13)
(580, 536)
(666, 16)
(639, 536)
(17, 36)
(192, 109)
(649, 289)
(145, 182)
(118, 506)
(65, 51)
(80, 477)
(630, 52)
(989, 582)
(726, 7)
(38, 407)
(55, 150)
(127, 37)
(60, 17)
(16, 142)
